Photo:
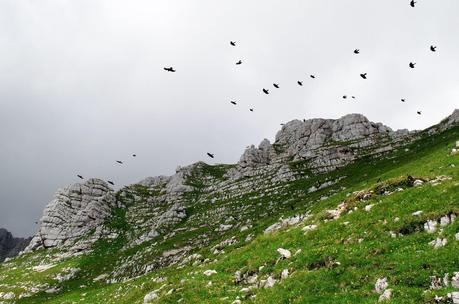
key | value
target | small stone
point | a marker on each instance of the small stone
(368, 207)
(150, 297)
(309, 228)
(387, 294)
(435, 283)
(418, 182)
(417, 213)
(438, 242)
(381, 285)
(209, 272)
(285, 254)
(284, 274)
(455, 280)
(445, 221)
(430, 226)
(457, 236)
(269, 282)
(454, 297)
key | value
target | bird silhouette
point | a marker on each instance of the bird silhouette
(312, 76)
(356, 51)
(403, 99)
(239, 62)
(419, 112)
(353, 97)
(233, 43)
(344, 96)
(233, 102)
(300, 83)
(171, 69)
(134, 155)
(282, 124)
(251, 110)
(210, 155)
(81, 177)
(364, 75)
(413, 3)
(412, 64)
(111, 183)
(433, 48)
(276, 85)
(119, 162)
(266, 91)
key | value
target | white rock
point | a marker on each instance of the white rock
(284, 274)
(381, 285)
(309, 228)
(368, 207)
(417, 213)
(209, 272)
(269, 282)
(9, 296)
(285, 254)
(454, 297)
(150, 297)
(445, 221)
(457, 236)
(455, 280)
(438, 242)
(387, 294)
(418, 182)
(430, 226)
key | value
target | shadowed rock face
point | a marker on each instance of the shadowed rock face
(76, 210)
(11, 246)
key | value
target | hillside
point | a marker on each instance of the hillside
(334, 211)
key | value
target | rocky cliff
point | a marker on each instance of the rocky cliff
(11, 246)
(75, 218)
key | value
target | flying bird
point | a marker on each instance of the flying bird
(419, 112)
(134, 155)
(433, 48)
(171, 69)
(210, 155)
(111, 183)
(344, 96)
(266, 91)
(233, 43)
(119, 162)
(356, 51)
(364, 75)
(412, 64)
(353, 97)
(251, 110)
(276, 85)
(300, 83)
(239, 62)
(81, 177)
(312, 76)
(413, 3)
(403, 99)
(233, 102)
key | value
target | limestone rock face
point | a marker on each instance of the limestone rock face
(76, 210)
(260, 156)
(11, 246)
(326, 144)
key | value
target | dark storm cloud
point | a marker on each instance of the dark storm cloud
(81, 82)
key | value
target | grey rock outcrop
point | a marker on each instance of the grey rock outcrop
(326, 144)
(11, 246)
(76, 210)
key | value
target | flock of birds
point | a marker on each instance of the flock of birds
(411, 65)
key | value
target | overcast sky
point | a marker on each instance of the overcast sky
(82, 82)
